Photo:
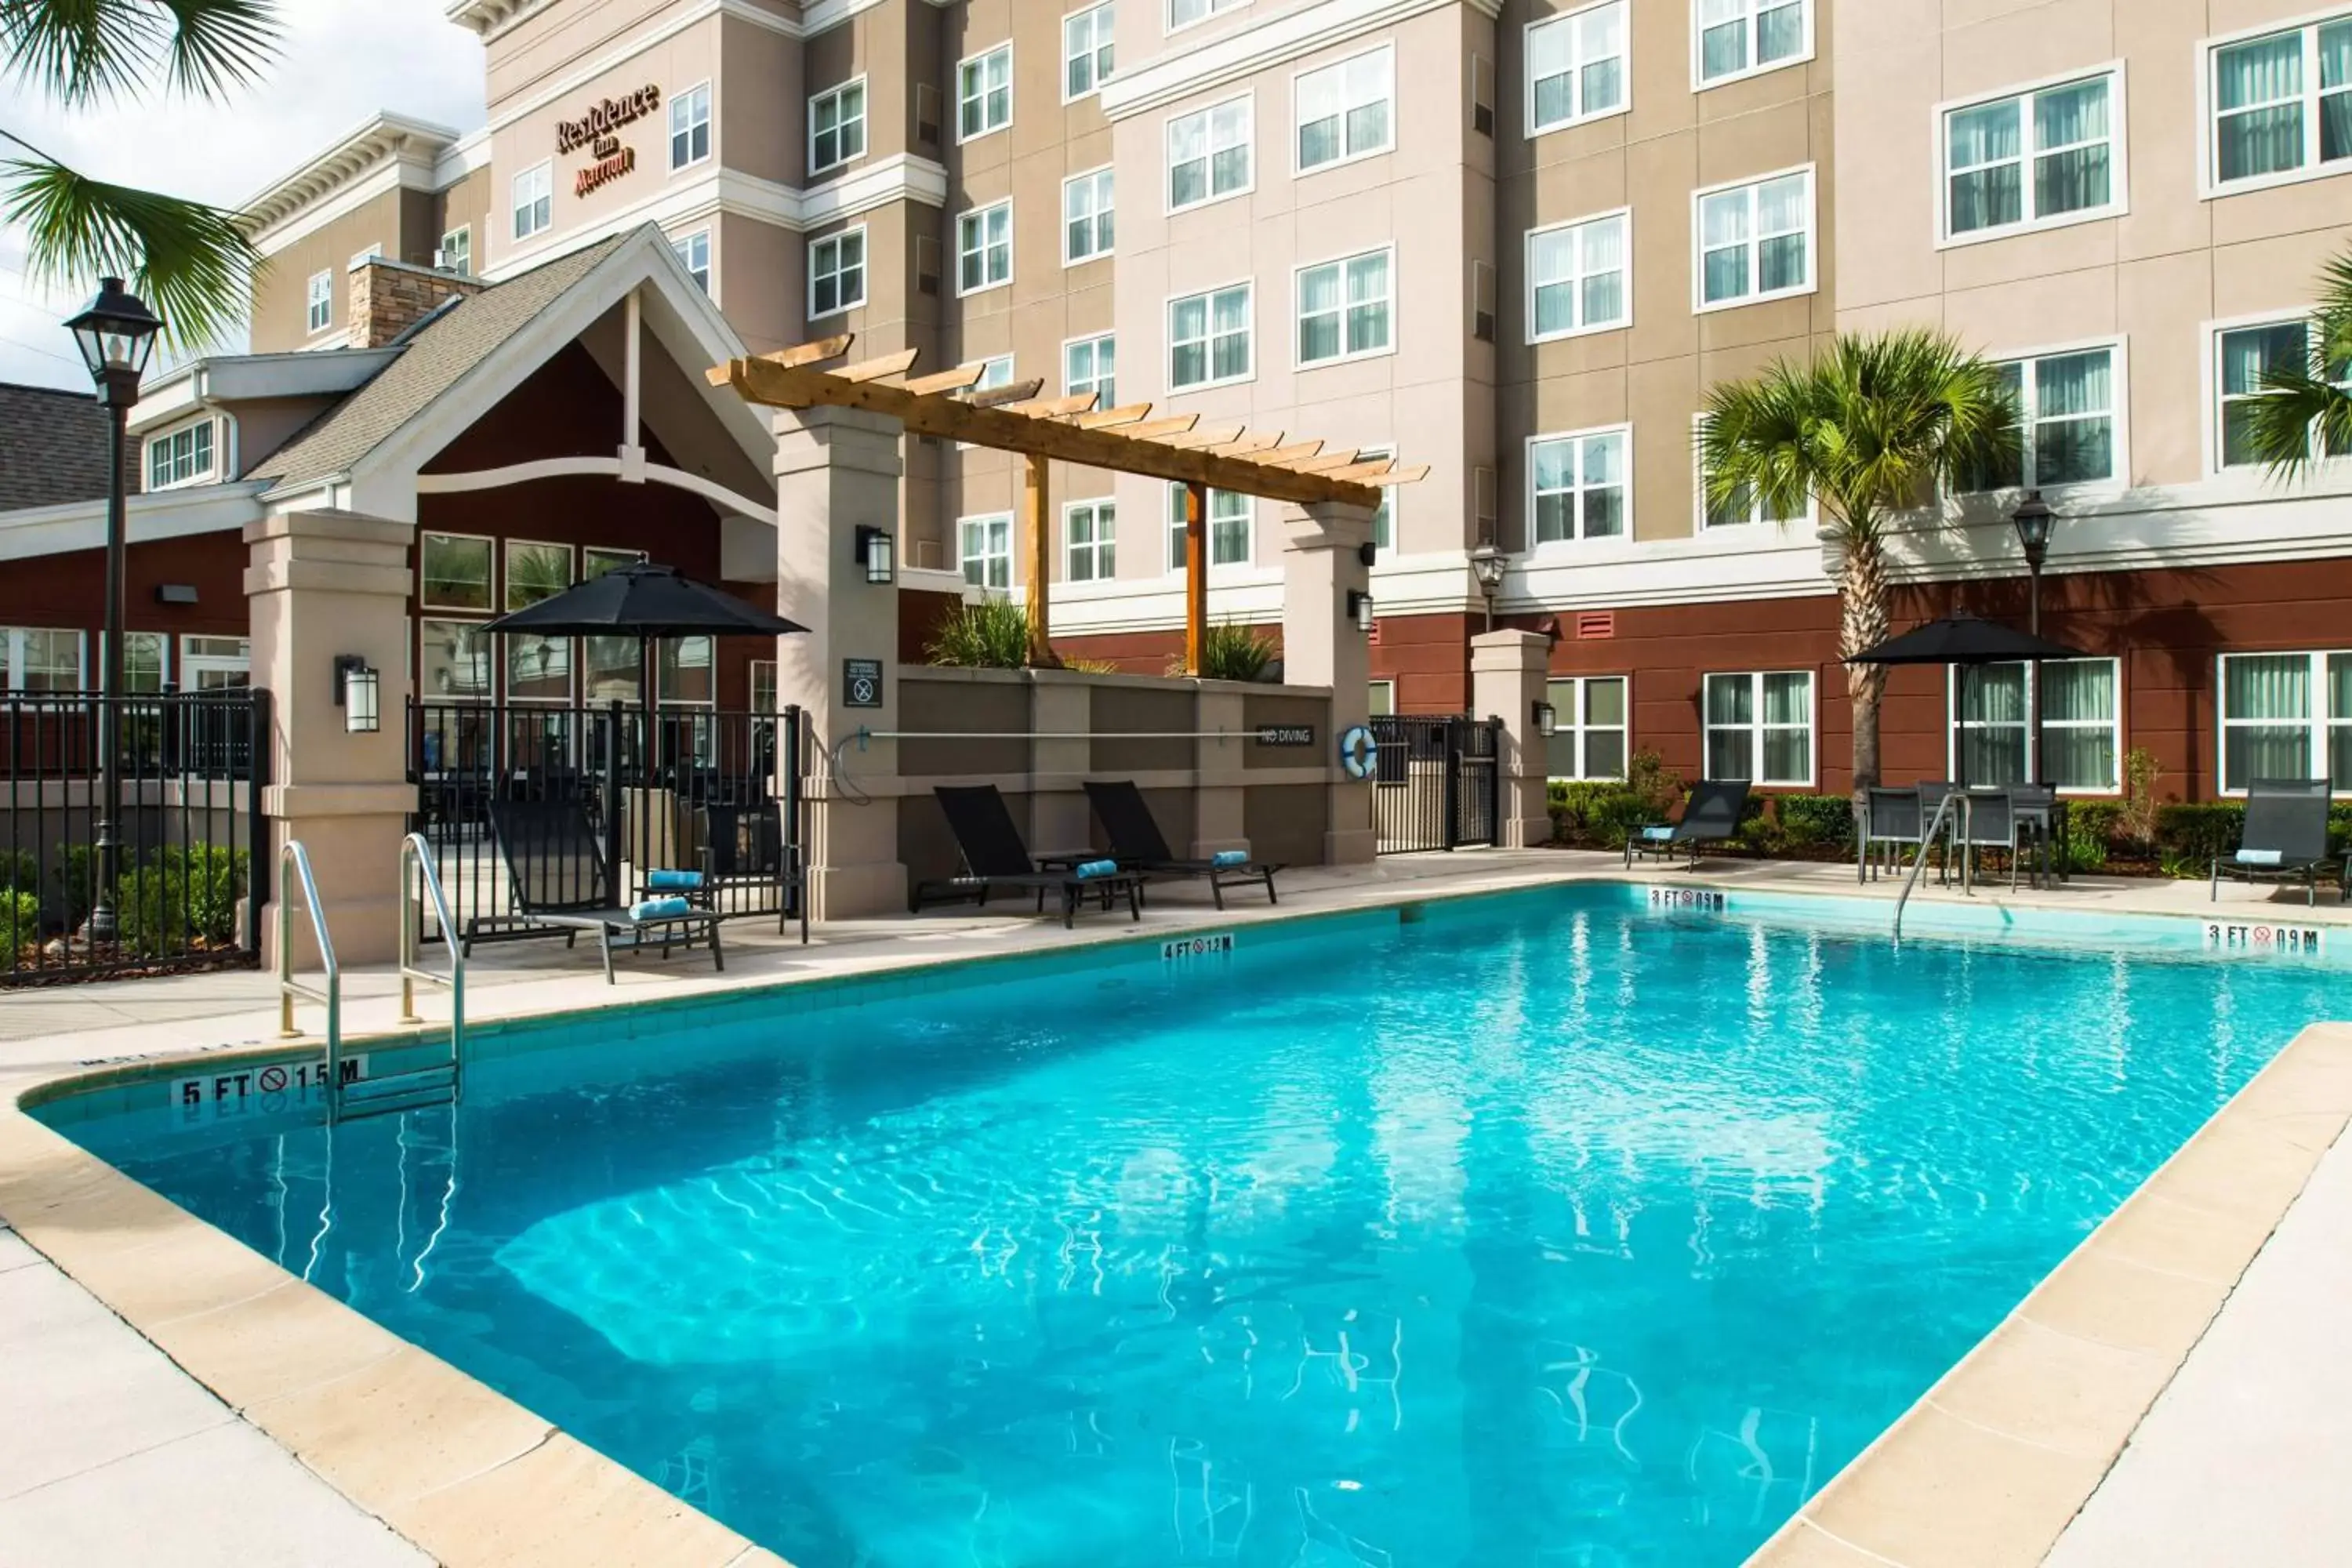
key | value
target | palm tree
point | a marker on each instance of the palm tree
(191, 262)
(1872, 427)
(2307, 414)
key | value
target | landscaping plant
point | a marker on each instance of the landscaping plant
(992, 633)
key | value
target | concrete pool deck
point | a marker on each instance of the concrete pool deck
(166, 1397)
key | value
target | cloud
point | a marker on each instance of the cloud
(343, 60)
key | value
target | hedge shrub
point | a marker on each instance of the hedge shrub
(2189, 838)
(1807, 820)
(180, 899)
(20, 920)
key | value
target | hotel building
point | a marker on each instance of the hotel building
(1515, 241)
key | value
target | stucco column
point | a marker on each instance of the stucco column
(1060, 818)
(1508, 674)
(319, 584)
(1220, 816)
(838, 469)
(1322, 564)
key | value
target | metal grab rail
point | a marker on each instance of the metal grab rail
(416, 869)
(1943, 809)
(296, 859)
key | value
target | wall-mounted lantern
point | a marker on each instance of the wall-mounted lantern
(359, 693)
(875, 551)
(1360, 610)
(1546, 720)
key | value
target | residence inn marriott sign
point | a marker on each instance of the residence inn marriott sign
(594, 130)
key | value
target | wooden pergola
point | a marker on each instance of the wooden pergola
(1126, 439)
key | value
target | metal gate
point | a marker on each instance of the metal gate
(708, 790)
(1437, 783)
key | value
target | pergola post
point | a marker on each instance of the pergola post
(1196, 576)
(1040, 539)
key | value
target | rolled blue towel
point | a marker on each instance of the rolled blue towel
(2258, 856)
(660, 908)
(1226, 858)
(1658, 835)
(674, 881)
(1091, 870)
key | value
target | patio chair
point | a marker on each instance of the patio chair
(2040, 824)
(1992, 822)
(1137, 845)
(995, 861)
(1891, 818)
(2286, 838)
(557, 876)
(1711, 817)
(743, 849)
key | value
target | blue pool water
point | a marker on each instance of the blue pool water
(1538, 1231)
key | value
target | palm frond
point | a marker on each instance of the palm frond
(2301, 414)
(83, 51)
(191, 263)
(220, 44)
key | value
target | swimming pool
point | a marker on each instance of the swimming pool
(1541, 1229)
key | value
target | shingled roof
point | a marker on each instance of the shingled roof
(52, 447)
(445, 348)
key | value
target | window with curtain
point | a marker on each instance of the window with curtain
(1209, 153)
(1576, 66)
(1090, 531)
(1990, 725)
(1087, 39)
(1088, 201)
(1589, 741)
(2246, 355)
(1346, 110)
(2285, 716)
(1577, 485)
(1744, 506)
(1756, 241)
(1209, 338)
(1576, 277)
(984, 93)
(837, 126)
(1759, 727)
(984, 550)
(1343, 309)
(984, 248)
(1737, 38)
(2082, 724)
(2078, 729)
(1091, 364)
(2281, 103)
(1228, 525)
(2031, 159)
(2066, 409)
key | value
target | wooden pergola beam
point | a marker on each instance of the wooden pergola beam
(1006, 396)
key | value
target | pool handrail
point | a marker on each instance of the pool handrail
(417, 870)
(292, 857)
(1943, 809)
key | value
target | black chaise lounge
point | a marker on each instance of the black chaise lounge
(557, 876)
(1711, 817)
(2286, 838)
(995, 861)
(1137, 845)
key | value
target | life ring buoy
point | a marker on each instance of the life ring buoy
(1358, 753)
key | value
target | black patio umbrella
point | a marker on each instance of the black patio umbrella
(1965, 642)
(646, 602)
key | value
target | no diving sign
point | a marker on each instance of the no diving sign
(861, 683)
(245, 1091)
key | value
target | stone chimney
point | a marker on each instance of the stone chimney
(389, 297)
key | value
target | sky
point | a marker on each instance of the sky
(342, 60)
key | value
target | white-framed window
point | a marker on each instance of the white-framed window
(2034, 159)
(1755, 240)
(1592, 726)
(1580, 485)
(181, 457)
(215, 664)
(321, 301)
(2281, 105)
(38, 659)
(2080, 732)
(763, 686)
(689, 126)
(994, 373)
(146, 659)
(457, 250)
(2245, 353)
(1759, 727)
(984, 248)
(534, 200)
(1091, 364)
(984, 93)
(984, 550)
(1345, 110)
(1576, 66)
(453, 572)
(1089, 540)
(2285, 716)
(837, 126)
(1380, 696)
(1088, 204)
(1087, 51)
(837, 273)
(1384, 519)
(694, 254)
(1228, 521)
(1578, 279)
(1209, 338)
(1345, 307)
(1744, 508)
(1186, 12)
(1209, 153)
(2069, 419)
(455, 663)
(1733, 39)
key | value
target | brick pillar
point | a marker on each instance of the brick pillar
(1509, 672)
(1322, 564)
(319, 584)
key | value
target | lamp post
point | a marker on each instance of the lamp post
(2034, 521)
(1488, 563)
(115, 333)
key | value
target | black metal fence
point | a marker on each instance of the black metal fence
(710, 790)
(1437, 781)
(191, 852)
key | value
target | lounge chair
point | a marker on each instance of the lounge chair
(1711, 817)
(557, 876)
(1137, 845)
(2286, 838)
(995, 861)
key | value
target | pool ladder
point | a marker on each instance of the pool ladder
(349, 1097)
(1953, 805)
